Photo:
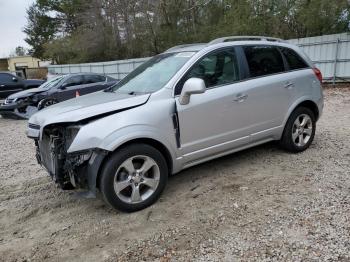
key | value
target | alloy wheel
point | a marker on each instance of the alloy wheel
(49, 103)
(302, 130)
(136, 179)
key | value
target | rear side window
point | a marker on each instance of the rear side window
(293, 59)
(89, 79)
(263, 60)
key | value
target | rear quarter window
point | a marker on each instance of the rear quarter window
(293, 59)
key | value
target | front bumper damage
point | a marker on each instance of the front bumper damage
(76, 170)
(17, 110)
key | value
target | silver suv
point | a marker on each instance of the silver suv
(183, 107)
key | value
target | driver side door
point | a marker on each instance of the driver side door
(69, 88)
(212, 122)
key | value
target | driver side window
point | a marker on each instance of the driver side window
(216, 69)
(74, 81)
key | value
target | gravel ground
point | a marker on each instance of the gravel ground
(261, 204)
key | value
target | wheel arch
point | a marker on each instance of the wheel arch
(142, 140)
(303, 102)
(310, 105)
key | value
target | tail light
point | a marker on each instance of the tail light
(318, 74)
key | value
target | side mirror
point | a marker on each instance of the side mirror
(14, 79)
(192, 86)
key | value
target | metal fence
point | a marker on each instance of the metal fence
(330, 53)
(116, 69)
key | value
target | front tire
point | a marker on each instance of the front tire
(134, 177)
(46, 103)
(299, 131)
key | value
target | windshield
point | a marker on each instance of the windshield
(153, 74)
(51, 83)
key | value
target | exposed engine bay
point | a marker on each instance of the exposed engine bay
(67, 170)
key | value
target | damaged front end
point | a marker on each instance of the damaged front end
(68, 170)
(18, 108)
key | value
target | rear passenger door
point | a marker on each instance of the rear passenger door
(267, 90)
(299, 74)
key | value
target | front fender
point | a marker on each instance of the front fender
(117, 139)
(121, 136)
(124, 135)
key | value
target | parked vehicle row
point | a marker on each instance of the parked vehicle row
(186, 106)
(23, 104)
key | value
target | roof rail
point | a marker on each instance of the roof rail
(183, 46)
(245, 38)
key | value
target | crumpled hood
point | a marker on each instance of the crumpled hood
(27, 93)
(86, 106)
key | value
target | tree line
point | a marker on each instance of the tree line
(76, 31)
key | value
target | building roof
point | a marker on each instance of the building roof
(21, 56)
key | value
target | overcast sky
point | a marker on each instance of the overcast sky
(12, 22)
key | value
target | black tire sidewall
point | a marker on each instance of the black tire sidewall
(49, 100)
(44, 102)
(287, 140)
(111, 166)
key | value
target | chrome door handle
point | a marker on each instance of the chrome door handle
(240, 98)
(288, 85)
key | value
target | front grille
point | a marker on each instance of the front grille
(33, 126)
(52, 149)
(45, 153)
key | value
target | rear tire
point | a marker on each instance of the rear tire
(133, 177)
(299, 130)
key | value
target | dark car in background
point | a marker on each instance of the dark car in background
(23, 104)
(10, 84)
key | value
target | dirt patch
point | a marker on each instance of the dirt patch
(259, 204)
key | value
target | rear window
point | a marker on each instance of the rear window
(6, 78)
(293, 59)
(263, 60)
